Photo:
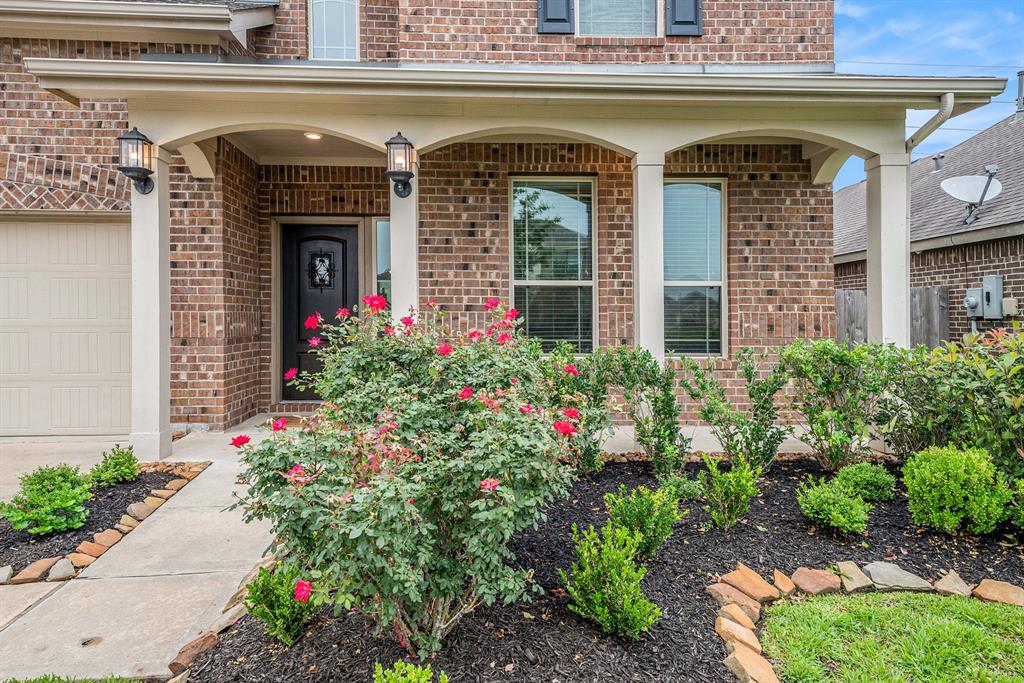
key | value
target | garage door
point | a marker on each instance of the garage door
(65, 327)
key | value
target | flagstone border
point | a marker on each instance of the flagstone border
(742, 592)
(69, 566)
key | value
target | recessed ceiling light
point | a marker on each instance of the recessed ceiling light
(313, 136)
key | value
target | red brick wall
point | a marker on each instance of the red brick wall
(958, 268)
(288, 37)
(506, 31)
(53, 155)
(464, 225)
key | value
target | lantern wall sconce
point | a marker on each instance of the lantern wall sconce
(136, 159)
(400, 160)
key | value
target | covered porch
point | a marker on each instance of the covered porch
(236, 176)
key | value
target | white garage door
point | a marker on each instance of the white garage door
(65, 327)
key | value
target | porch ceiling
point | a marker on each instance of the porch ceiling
(290, 147)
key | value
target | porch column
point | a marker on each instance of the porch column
(888, 252)
(151, 316)
(648, 253)
(405, 267)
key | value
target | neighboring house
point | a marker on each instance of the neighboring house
(685, 150)
(945, 251)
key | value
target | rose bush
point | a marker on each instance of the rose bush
(399, 497)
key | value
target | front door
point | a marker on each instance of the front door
(320, 274)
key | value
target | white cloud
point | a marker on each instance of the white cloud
(851, 9)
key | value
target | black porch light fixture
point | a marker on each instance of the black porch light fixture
(136, 160)
(400, 164)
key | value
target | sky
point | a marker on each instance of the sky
(933, 38)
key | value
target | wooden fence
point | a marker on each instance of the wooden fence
(929, 315)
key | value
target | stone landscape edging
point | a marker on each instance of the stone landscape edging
(741, 593)
(70, 565)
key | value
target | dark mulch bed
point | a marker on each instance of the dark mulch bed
(19, 548)
(543, 641)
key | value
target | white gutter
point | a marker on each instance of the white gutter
(946, 103)
(996, 232)
(119, 78)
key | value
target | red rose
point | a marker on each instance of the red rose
(343, 312)
(388, 330)
(525, 408)
(290, 374)
(571, 413)
(407, 321)
(467, 392)
(504, 338)
(489, 484)
(312, 321)
(279, 425)
(571, 369)
(491, 303)
(240, 440)
(444, 349)
(512, 314)
(564, 427)
(296, 471)
(375, 302)
(474, 335)
(514, 380)
(303, 589)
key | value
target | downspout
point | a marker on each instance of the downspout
(941, 116)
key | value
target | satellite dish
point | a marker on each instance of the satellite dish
(968, 188)
(973, 190)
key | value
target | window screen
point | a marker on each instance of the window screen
(553, 259)
(618, 17)
(694, 226)
(334, 29)
(383, 229)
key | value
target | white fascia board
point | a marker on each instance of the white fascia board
(114, 78)
(129, 20)
(996, 232)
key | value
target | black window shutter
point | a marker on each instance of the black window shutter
(555, 16)
(684, 18)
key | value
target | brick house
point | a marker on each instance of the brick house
(684, 149)
(944, 249)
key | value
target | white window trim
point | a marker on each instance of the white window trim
(723, 282)
(660, 8)
(359, 35)
(375, 250)
(592, 282)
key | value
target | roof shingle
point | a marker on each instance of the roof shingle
(933, 212)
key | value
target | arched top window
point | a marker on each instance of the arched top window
(334, 29)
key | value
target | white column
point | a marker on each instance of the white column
(151, 316)
(648, 252)
(888, 253)
(405, 269)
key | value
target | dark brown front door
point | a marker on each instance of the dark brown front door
(320, 274)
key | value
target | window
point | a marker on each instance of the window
(383, 266)
(334, 29)
(618, 17)
(694, 228)
(553, 260)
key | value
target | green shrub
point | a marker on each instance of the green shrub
(728, 492)
(752, 432)
(837, 390)
(430, 451)
(1017, 509)
(651, 513)
(272, 600)
(650, 394)
(117, 466)
(867, 480)
(604, 582)
(949, 488)
(831, 505)
(403, 672)
(51, 499)
(683, 488)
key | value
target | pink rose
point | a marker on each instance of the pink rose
(571, 413)
(407, 321)
(290, 374)
(491, 303)
(303, 589)
(504, 338)
(525, 408)
(240, 440)
(279, 425)
(466, 393)
(312, 321)
(489, 484)
(343, 312)
(475, 335)
(564, 427)
(296, 471)
(571, 369)
(444, 349)
(315, 342)
(388, 330)
(375, 302)
(512, 314)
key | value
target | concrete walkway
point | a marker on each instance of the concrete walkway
(165, 583)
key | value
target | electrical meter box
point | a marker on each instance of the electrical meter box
(972, 302)
(992, 297)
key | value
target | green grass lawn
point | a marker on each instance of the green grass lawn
(889, 637)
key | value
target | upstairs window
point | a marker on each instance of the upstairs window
(334, 29)
(618, 17)
(553, 259)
